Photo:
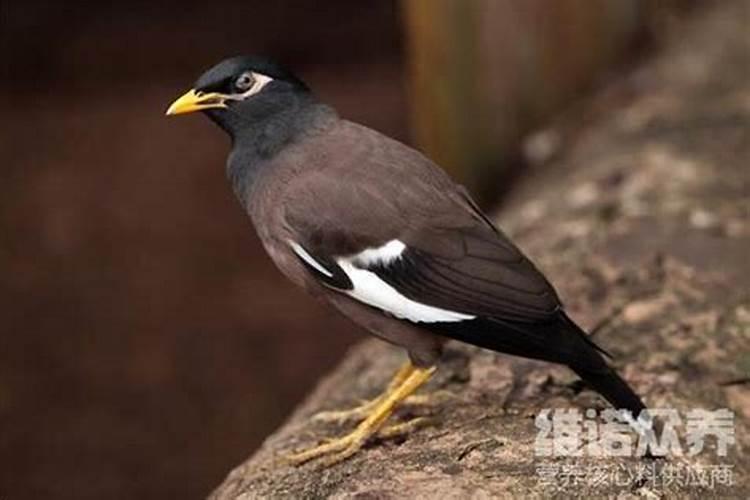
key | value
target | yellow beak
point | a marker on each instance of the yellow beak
(196, 101)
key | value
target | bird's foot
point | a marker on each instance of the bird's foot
(363, 410)
(340, 416)
(339, 449)
(404, 428)
(344, 447)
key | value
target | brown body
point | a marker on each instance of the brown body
(354, 184)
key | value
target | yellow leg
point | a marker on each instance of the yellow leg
(362, 411)
(342, 448)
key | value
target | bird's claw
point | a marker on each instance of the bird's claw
(360, 412)
(336, 450)
(340, 416)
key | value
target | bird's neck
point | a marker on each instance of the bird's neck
(260, 140)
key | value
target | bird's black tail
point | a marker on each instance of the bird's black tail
(600, 376)
(558, 340)
(613, 388)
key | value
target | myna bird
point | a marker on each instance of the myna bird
(383, 234)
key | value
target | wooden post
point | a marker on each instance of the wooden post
(486, 72)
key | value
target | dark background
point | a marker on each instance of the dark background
(147, 344)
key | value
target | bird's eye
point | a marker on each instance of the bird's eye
(244, 81)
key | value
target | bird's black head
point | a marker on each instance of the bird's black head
(241, 92)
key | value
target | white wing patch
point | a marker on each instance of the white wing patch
(380, 255)
(367, 287)
(371, 290)
(302, 254)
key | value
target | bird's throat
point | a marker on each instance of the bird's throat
(257, 143)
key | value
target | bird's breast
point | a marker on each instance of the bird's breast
(267, 215)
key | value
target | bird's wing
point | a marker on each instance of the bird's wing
(390, 230)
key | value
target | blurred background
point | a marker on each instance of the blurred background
(147, 345)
